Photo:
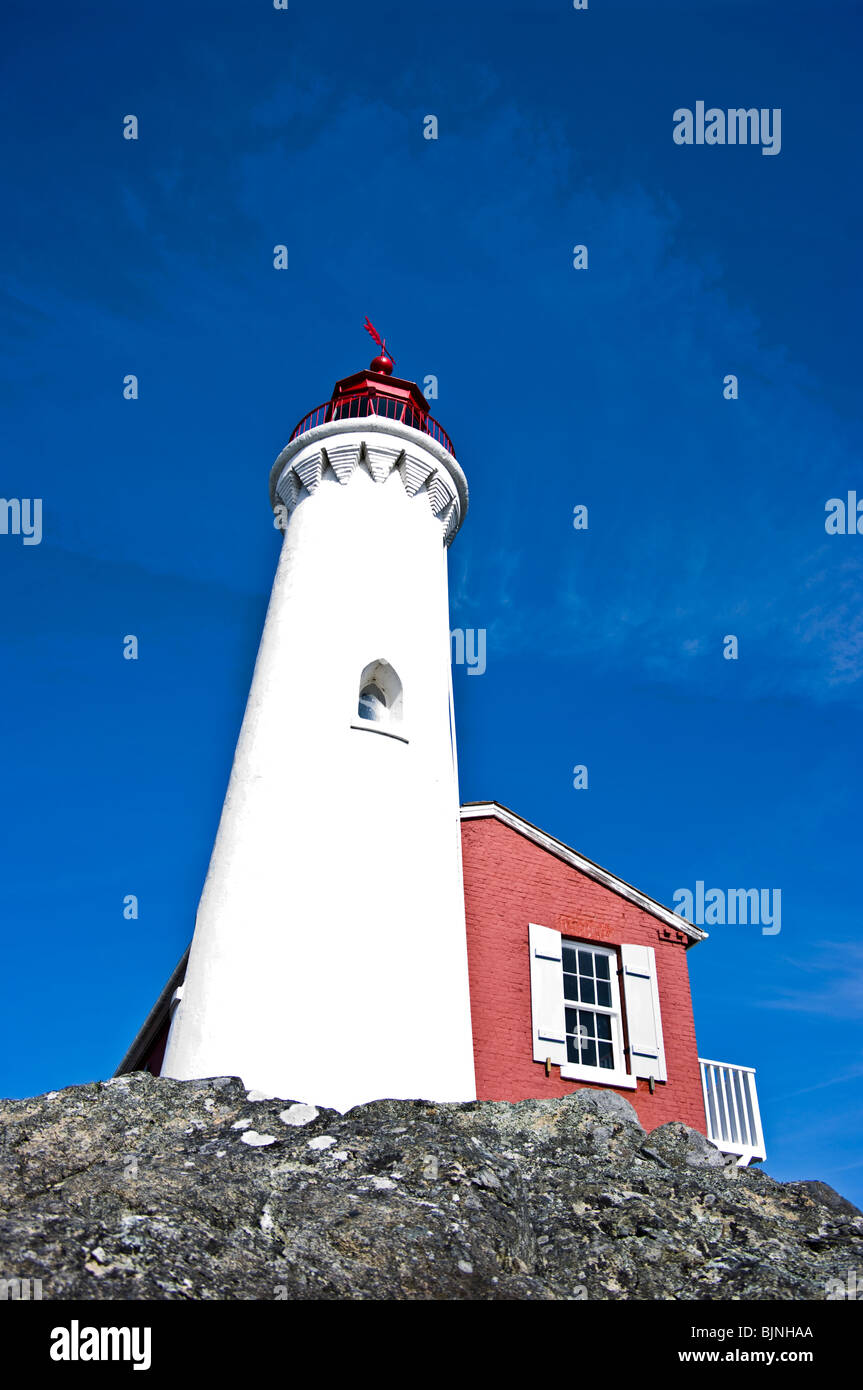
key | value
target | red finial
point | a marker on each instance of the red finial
(383, 363)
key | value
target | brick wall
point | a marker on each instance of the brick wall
(510, 882)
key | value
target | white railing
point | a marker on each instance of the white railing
(731, 1105)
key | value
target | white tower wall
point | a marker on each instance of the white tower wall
(329, 960)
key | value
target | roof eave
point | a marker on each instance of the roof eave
(479, 810)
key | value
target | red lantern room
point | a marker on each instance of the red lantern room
(376, 391)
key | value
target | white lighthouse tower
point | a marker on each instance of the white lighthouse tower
(329, 961)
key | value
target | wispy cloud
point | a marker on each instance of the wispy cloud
(832, 984)
(854, 1074)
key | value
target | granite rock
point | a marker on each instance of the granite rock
(151, 1188)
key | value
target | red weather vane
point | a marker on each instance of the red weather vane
(385, 361)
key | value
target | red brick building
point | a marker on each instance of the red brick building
(623, 1019)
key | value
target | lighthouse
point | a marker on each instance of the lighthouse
(360, 935)
(329, 957)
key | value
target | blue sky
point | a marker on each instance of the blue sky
(558, 387)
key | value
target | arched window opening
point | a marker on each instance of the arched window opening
(380, 698)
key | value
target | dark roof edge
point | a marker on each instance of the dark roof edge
(155, 1018)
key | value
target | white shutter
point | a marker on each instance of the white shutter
(546, 995)
(643, 1021)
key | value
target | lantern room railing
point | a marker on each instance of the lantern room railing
(393, 407)
(731, 1105)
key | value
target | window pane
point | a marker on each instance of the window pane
(587, 991)
(585, 962)
(586, 1026)
(372, 704)
(369, 708)
(588, 1054)
(606, 1055)
(601, 963)
(603, 1027)
(571, 1020)
(603, 993)
(570, 959)
(570, 987)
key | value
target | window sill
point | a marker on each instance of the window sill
(370, 728)
(601, 1076)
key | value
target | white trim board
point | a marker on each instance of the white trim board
(483, 810)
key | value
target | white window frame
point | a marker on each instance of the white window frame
(604, 1076)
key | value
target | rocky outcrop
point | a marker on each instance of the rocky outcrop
(150, 1188)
